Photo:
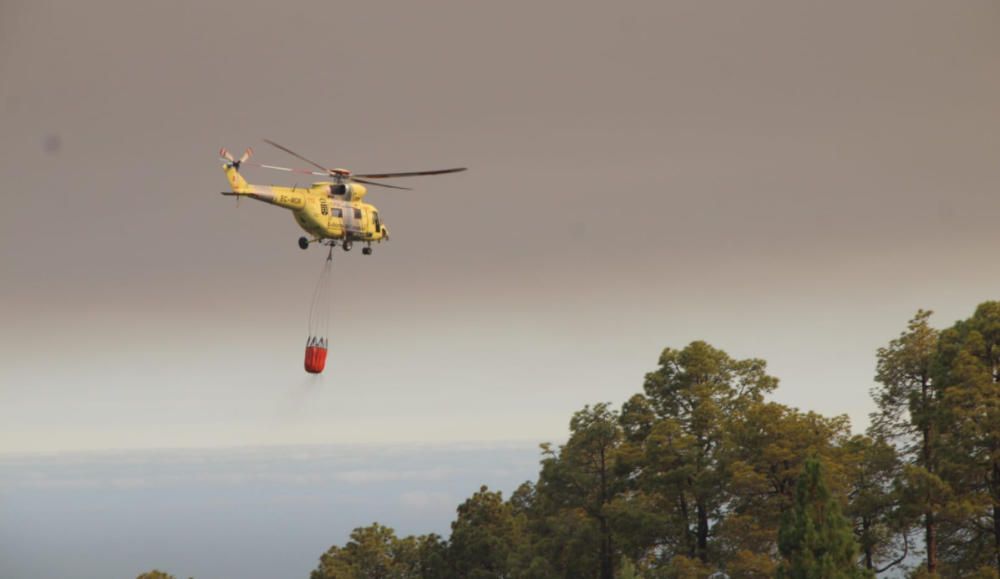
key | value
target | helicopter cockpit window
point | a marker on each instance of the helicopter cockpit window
(378, 225)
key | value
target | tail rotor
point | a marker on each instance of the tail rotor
(235, 163)
(232, 168)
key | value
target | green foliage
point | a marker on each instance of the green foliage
(432, 556)
(155, 574)
(627, 570)
(906, 396)
(985, 573)
(767, 447)
(815, 540)
(677, 450)
(969, 372)
(921, 572)
(484, 537)
(373, 552)
(882, 525)
(681, 567)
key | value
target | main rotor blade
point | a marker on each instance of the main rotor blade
(380, 184)
(288, 169)
(298, 156)
(409, 173)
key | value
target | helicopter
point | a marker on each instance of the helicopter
(329, 211)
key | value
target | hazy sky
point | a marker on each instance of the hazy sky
(787, 180)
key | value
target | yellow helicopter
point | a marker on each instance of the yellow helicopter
(329, 211)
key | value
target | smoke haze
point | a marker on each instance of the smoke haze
(785, 180)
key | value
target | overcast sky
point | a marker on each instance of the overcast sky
(786, 180)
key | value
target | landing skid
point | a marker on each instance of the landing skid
(305, 241)
(347, 244)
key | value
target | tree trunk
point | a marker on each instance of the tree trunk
(691, 545)
(930, 521)
(996, 533)
(866, 529)
(996, 513)
(607, 569)
(931, 529)
(702, 532)
(607, 554)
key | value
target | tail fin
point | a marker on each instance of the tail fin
(232, 169)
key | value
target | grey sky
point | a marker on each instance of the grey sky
(786, 180)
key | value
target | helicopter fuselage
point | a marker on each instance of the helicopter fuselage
(326, 210)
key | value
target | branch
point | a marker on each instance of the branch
(906, 549)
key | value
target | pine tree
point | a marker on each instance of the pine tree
(881, 526)
(577, 485)
(909, 401)
(969, 371)
(483, 537)
(374, 552)
(691, 397)
(815, 539)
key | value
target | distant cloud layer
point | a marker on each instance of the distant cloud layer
(248, 512)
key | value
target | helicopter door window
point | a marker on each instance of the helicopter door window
(337, 212)
(357, 214)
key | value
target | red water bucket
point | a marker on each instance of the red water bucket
(315, 359)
